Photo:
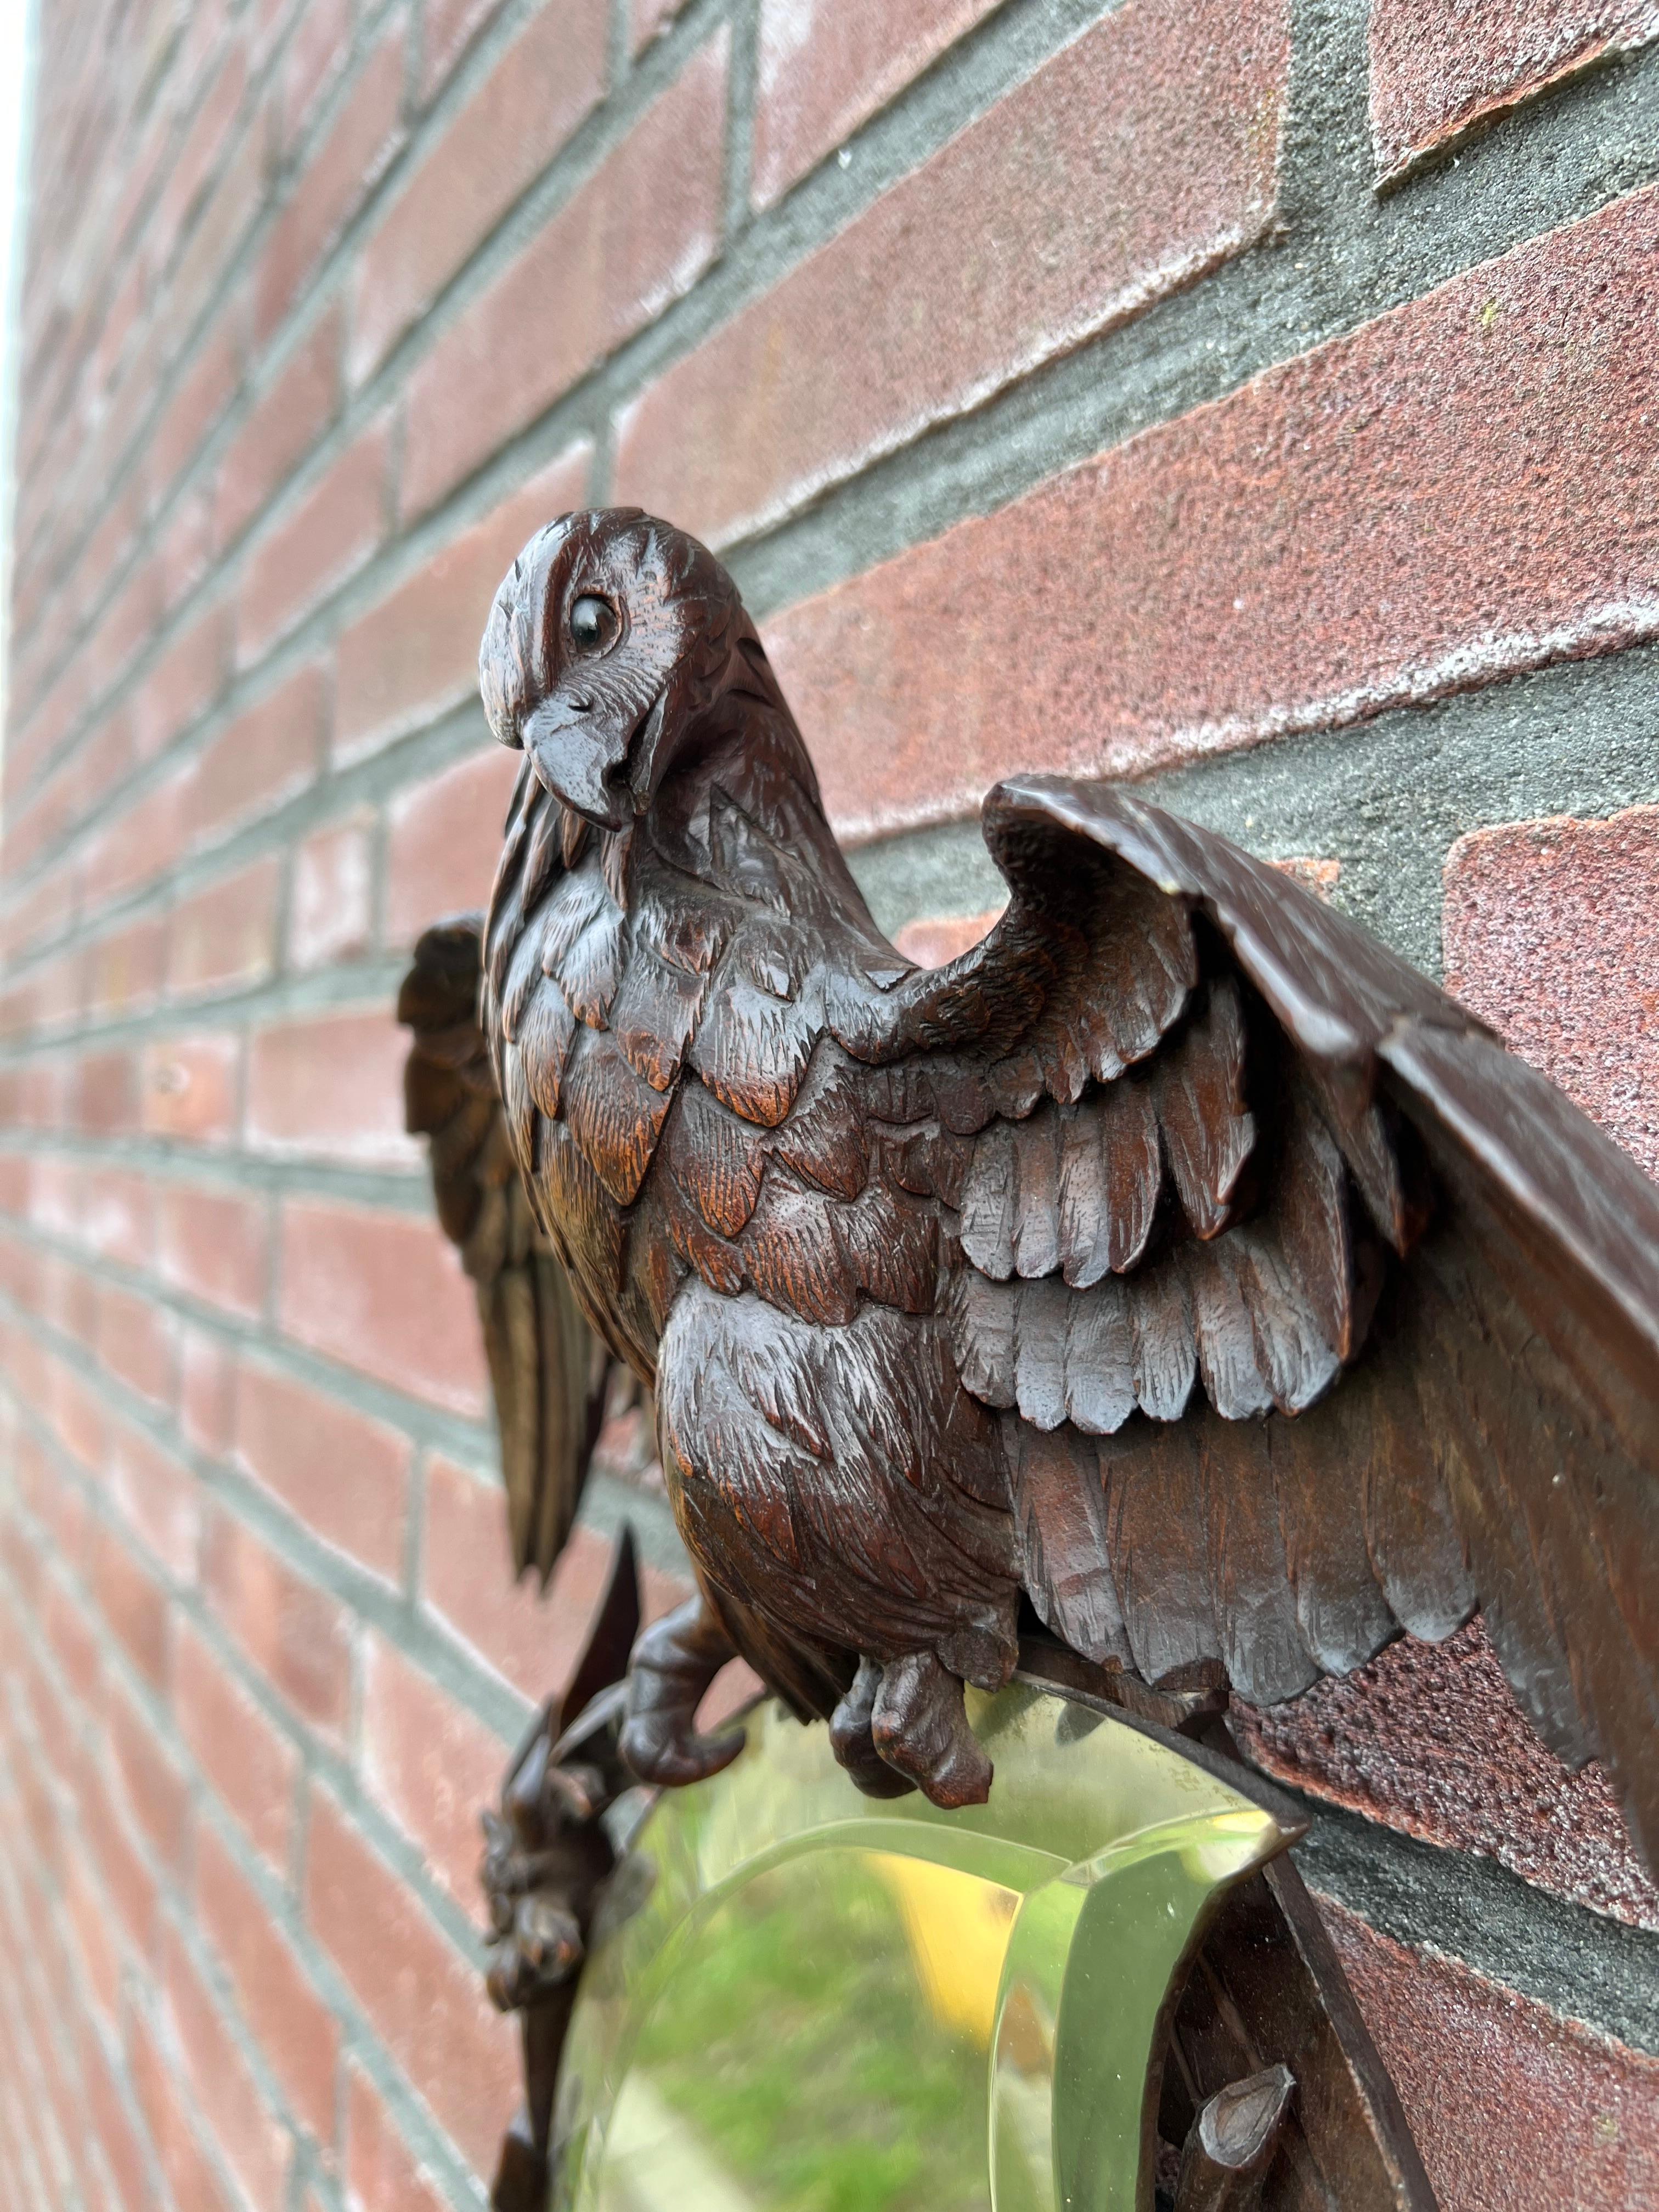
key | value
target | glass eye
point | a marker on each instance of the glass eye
(593, 623)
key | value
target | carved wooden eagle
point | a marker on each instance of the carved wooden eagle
(1176, 1260)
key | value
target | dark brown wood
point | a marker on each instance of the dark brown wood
(1230, 2144)
(547, 1858)
(1176, 1259)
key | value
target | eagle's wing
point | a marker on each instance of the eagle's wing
(1314, 1313)
(549, 1371)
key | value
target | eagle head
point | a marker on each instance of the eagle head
(611, 634)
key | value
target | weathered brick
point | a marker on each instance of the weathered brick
(333, 1087)
(247, 1763)
(415, 654)
(385, 1294)
(186, 680)
(88, 1918)
(101, 1093)
(291, 2023)
(1512, 398)
(154, 1790)
(211, 1244)
(183, 544)
(319, 542)
(826, 67)
(136, 1342)
(540, 89)
(443, 843)
(123, 974)
(331, 915)
(296, 1635)
(156, 1497)
(1552, 934)
(317, 53)
(430, 1765)
(190, 1086)
(117, 1216)
(625, 245)
(1143, 152)
(1437, 72)
(447, 28)
(648, 20)
(206, 1391)
(1509, 2106)
(203, 143)
(71, 1639)
(264, 756)
(138, 845)
(134, 1604)
(255, 2145)
(936, 939)
(224, 938)
(110, 2124)
(347, 1478)
(381, 2173)
(280, 429)
(154, 2072)
(203, 394)
(336, 180)
(425, 1999)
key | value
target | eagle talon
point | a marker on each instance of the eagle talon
(854, 1742)
(673, 1666)
(919, 1727)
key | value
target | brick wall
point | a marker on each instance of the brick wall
(1253, 395)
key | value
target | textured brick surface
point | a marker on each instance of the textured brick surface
(1067, 208)
(326, 306)
(826, 66)
(1428, 1739)
(1551, 935)
(1437, 72)
(597, 272)
(1513, 2110)
(1300, 588)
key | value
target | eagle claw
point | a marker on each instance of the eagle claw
(673, 1666)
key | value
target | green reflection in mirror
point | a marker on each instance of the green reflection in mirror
(796, 2001)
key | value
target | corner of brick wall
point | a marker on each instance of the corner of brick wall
(1026, 364)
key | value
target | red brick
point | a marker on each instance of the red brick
(331, 533)
(138, 846)
(447, 28)
(633, 238)
(206, 1379)
(101, 1093)
(202, 398)
(114, 2131)
(57, 1195)
(1437, 72)
(133, 1603)
(122, 972)
(336, 181)
(540, 89)
(118, 1215)
(938, 938)
(381, 2173)
(331, 895)
(190, 1086)
(431, 1765)
(212, 1244)
(1512, 403)
(1551, 935)
(224, 938)
(203, 143)
(155, 2078)
(183, 544)
(318, 49)
(291, 2024)
(88, 1917)
(443, 839)
(186, 679)
(334, 1086)
(136, 1342)
(256, 2147)
(280, 429)
(265, 757)
(648, 20)
(532, 1641)
(426, 2000)
(123, 622)
(385, 1294)
(1508, 2105)
(296, 1635)
(70, 1639)
(252, 1768)
(1143, 152)
(156, 1497)
(347, 1478)
(825, 69)
(415, 654)
(155, 1792)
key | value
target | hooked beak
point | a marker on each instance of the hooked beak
(580, 761)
